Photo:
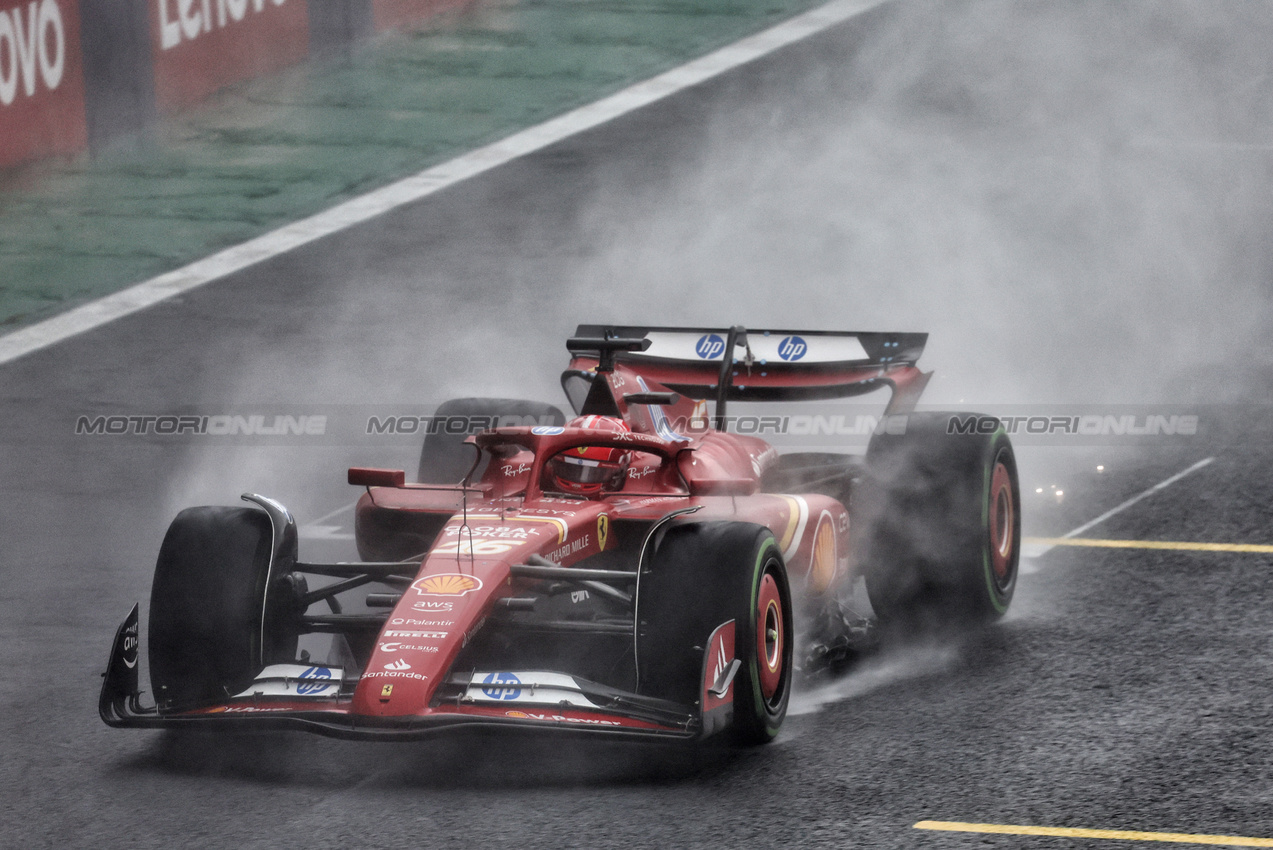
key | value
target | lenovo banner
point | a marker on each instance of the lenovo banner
(203, 45)
(41, 80)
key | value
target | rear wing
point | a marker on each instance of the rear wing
(767, 365)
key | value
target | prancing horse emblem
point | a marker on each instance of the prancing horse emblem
(603, 530)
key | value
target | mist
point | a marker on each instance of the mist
(1072, 199)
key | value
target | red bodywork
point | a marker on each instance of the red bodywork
(510, 518)
(469, 540)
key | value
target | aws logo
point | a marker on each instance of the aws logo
(32, 49)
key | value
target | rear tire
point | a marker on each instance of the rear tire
(445, 459)
(206, 606)
(940, 515)
(702, 575)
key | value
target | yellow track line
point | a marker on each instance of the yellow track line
(1150, 544)
(1114, 834)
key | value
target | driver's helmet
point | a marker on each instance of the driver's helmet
(587, 470)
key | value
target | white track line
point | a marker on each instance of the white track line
(96, 313)
(343, 509)
(317, 530)
(1038, 550)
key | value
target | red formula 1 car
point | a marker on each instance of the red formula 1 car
(637, 570)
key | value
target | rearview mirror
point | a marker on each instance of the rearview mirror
(363, 476)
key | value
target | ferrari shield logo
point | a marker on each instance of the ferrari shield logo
(603, 530)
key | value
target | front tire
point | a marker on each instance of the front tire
(705, 574)
(209, 631)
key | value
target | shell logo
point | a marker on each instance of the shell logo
(447, 584)
(520, 714)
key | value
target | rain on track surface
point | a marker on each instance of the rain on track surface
(1125, 690)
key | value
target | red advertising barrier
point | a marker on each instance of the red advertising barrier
(203, 45)
(68, 78)
(388, 14)
(41, 80)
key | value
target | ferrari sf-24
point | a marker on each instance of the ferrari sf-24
(637, 570)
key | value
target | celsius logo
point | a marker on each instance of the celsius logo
(792, 348)
(710, 346)
(315, 680)
(34, 40)
(501, 679)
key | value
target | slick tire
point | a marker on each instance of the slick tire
(207, 607)
(445, 459)
(939, 515)
(702, 575)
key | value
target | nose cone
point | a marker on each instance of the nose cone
(425, 632)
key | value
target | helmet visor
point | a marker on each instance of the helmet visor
(581, 470)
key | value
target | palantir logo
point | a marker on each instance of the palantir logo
(501, 679)
(710, 346)
(315, 680)
(32, 47)
(792, 348)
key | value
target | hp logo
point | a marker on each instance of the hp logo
(792, 348)
(314, 681)
(494, 679)
(710, 346)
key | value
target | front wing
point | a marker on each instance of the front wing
(617, 714)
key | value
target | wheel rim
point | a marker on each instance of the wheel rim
(1002, 525)
(771, 638)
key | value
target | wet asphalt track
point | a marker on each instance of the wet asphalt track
(1127, 689)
